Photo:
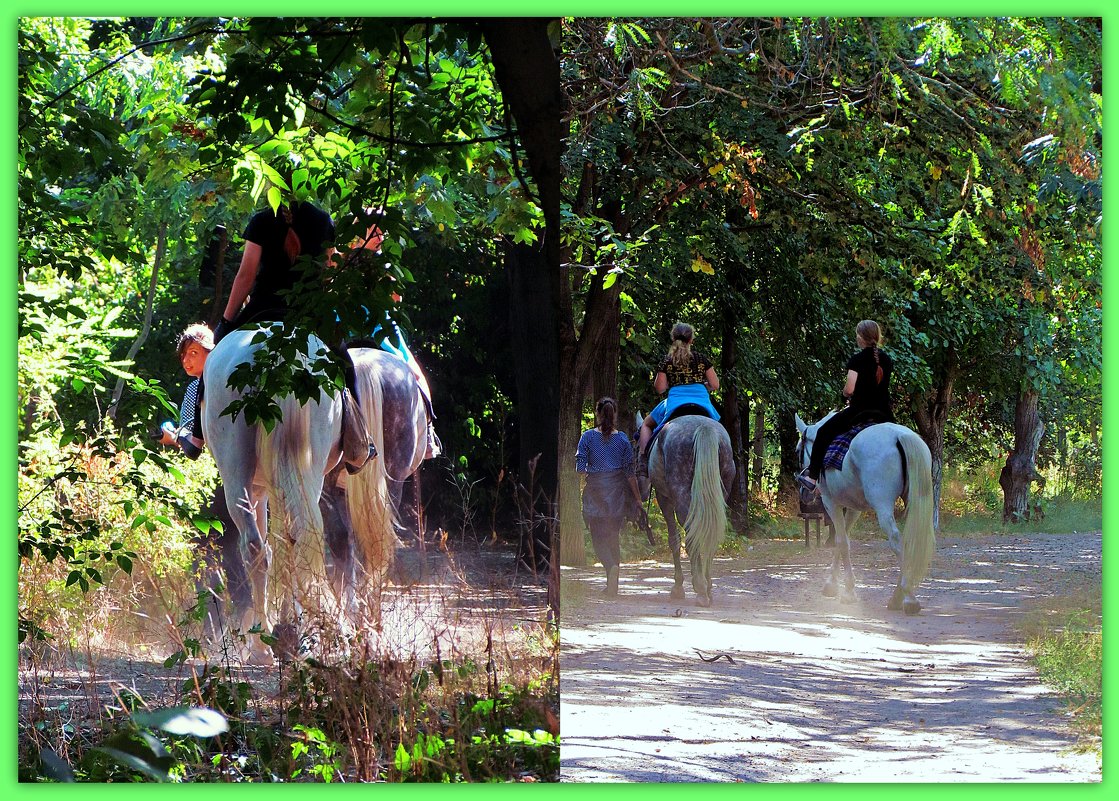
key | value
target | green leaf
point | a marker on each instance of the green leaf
(402, 760)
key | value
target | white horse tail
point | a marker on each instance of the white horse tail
(286, 459)
(707, 513)
(918, 538)
(367, 493)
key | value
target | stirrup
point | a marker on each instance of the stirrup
(434, 446)
(807, 482)
(191, 450)
(357, 468)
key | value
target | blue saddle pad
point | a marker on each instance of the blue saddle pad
(833, 459)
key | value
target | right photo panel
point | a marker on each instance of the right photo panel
(830, 439)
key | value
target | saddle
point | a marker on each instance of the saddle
(837, 450)
(682, 410)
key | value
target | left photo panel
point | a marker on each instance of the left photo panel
(288, 399)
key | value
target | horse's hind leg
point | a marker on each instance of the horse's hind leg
(338, 532)
(902, 597)
(701, 576)
(669, 513)
(251, 519)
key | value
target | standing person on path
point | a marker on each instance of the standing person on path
(689, 377)
(219, 551)
(605, 458)
(868, 397)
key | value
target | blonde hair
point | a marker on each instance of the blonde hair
(681, 349)
(196, 332)
(869, 332)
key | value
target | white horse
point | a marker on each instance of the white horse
(885, 462)
(283, 471)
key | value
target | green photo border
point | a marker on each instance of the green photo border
(8, 452)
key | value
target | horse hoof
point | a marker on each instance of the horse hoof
(911, 607)
(848, 598)
(829, 591)
(677, 594)
(703, 600)
(895, 603)
(259, 658)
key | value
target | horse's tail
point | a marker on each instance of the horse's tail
(367, 495)
(918, 538)
(707, 513)
(285, 458)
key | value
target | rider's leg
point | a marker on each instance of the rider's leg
(357, 440)
(825, 435)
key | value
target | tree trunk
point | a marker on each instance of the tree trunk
(931, 417)
(160, 251)
(759, 445)
(1020, 468)
(787, 438)
(732, 421)
(532, 319)
(217, 259)
(526, 67)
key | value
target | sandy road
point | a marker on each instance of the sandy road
(811, 689)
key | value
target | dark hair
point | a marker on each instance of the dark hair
(605, 415)
(196, 332)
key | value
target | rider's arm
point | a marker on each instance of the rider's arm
(243, 282)
(849, 387)
(712, 379)
(660, 383)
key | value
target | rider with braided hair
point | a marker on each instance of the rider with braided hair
(687, 375)
(868, 393)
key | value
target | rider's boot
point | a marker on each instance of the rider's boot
(642, 469)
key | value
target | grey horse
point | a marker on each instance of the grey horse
(692, 468)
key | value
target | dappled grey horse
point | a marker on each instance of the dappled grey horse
(402, 439)
(885, 462)
(692, 468)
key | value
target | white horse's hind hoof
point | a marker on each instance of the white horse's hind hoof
(703, 600)
(911, 607)
(829, 590)
(677, 593)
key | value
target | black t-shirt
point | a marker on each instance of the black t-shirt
(693, 372)
(869, 392)
(276, 272)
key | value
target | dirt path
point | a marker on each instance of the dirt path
(819, 690)
(457, 607)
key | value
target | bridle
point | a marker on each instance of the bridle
(802, 445)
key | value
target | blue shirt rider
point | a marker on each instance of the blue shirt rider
(688, 376)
